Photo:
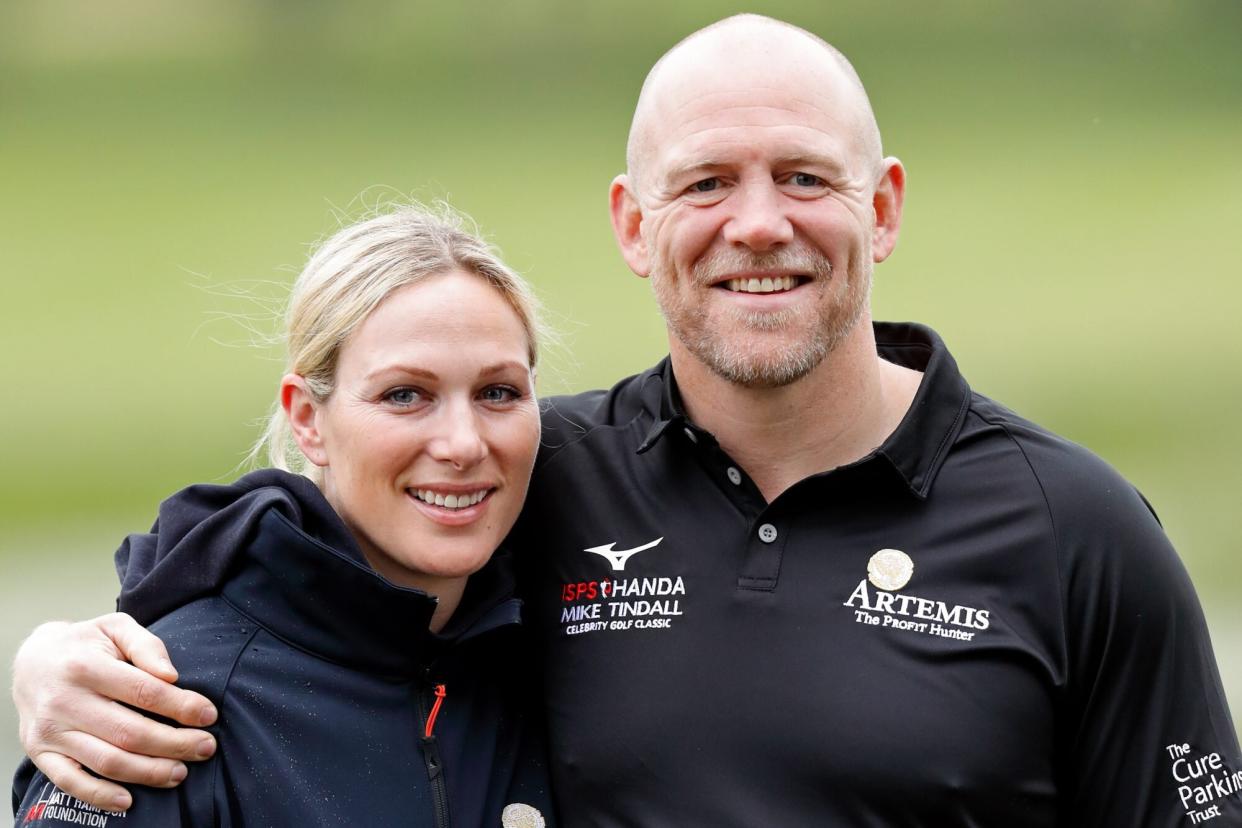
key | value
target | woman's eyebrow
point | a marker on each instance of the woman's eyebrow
(401, 368)
(406, 369)
(503, 367)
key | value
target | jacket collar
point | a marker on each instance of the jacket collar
(328, 602)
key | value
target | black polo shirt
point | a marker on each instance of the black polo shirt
(978, 624)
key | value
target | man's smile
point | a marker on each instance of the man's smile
(762, 284)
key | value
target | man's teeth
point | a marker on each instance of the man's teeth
(765, 285)
(451, 501)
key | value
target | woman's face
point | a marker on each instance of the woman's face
(428, 441)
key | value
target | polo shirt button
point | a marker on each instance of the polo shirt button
(691, 435)
(735, 476)
(767, 533)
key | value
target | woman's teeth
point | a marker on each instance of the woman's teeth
(765, 285)
(450, 501)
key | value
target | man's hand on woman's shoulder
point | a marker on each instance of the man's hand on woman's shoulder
(68, 682)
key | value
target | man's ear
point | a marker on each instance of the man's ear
(302, 410)
(627, 225)
(890, 195)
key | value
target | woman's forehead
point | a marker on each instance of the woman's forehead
(450, 317)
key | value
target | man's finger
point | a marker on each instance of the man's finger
(68, 775)
(107, 760)
(127, 731)
(137, 688)
(138, 645)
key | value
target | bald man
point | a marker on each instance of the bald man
(799, 573)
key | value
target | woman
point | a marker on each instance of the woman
(344, 609)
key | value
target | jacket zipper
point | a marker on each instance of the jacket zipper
(431, 756)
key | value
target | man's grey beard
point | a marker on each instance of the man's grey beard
(730, 359)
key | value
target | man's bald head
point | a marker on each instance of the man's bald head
(755, 48)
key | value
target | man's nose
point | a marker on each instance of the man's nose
(759, 220)
(459, 439)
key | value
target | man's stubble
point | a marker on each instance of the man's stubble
(723, 344)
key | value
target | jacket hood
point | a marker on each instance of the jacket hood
(201, 533)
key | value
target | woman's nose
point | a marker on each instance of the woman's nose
(459, 441)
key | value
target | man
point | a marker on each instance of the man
(798, 573)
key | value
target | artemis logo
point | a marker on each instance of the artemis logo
(618, 557)
(925, 609)
(888, 571)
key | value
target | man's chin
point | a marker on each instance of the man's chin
(760, 364)
(762, 377)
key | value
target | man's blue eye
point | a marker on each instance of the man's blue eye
(706, 185)
(806, 180)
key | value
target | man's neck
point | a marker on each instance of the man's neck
(839, 413)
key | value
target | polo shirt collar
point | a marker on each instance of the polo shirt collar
(661, 399)
(915, 450)
(918, 447)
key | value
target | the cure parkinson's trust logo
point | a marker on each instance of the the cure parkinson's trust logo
(883, 605)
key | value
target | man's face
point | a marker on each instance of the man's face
(758, 218)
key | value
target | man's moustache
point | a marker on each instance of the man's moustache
(722, 263)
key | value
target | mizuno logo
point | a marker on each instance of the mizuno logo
(618, 557)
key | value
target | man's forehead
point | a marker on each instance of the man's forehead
(768, 100)
(726, 119)
(749, 68)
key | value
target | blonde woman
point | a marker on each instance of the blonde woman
(346, 610)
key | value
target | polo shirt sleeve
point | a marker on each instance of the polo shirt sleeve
(37, 803)
(1145, 736)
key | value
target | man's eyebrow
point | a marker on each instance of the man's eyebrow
(808, 160)
(693, 169)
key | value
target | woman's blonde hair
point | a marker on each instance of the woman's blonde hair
(351, 273)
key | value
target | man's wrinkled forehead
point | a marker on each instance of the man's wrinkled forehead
(739, 59)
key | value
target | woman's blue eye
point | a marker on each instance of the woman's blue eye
(500, 394)
(402, 396)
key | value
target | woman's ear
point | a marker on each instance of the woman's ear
(303, 412)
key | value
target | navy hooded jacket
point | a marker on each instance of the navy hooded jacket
(337, 705)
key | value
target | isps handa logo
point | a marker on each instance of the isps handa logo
(617, 602)
(882, 605)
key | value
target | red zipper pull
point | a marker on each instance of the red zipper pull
(435, 711)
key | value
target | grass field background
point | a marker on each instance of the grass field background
(1070, 227)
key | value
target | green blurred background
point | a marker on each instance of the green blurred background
(1070, 227)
